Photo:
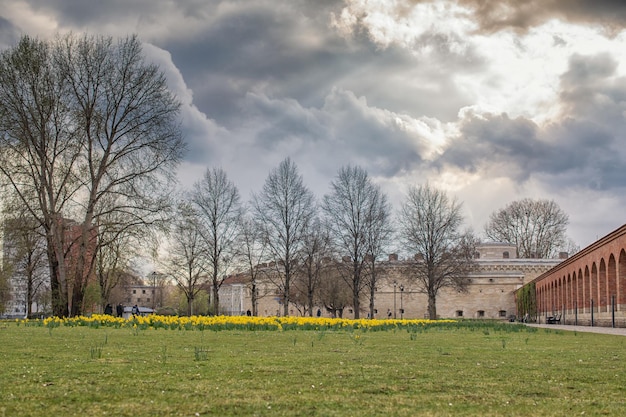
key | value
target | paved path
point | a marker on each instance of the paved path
(621, 331)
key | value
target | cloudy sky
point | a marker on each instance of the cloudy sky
(492, 101)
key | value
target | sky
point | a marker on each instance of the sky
(491, 101)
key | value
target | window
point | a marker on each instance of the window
(147, 300)
(505, 255)
(143, 291)
(134, 291)
(502, 313)
(481, 313)
(459, 313)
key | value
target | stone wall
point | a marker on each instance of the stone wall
(490, 293)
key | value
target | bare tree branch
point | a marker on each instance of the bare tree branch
(284, 209)
(430, 228)
(357, 214)
(536, 227)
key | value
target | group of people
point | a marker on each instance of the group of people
(120, 310)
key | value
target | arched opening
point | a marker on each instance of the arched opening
(563, 294)
(580, 296)
(594, 286)
(568, 293)
(561, 302)
(541, 304)
(621, 282)
(587, 289)
(611, 278)
(602, 295)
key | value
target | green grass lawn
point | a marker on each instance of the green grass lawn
(81, 371)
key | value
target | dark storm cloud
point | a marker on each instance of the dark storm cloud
(373, 138)
(9, 34)
(493, 16)
(591, 91)
(345, 130)
(584, 148)
(287, 50)
(570, 154)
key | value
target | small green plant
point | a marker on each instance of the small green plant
(96, 352)
(201, 354)
(164, 355)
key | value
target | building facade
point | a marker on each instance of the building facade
(24, 252)
(490, 293)
(589, 288)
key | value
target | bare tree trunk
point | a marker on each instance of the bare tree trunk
(216, 298)
(286, 293)
(254, 300)
(356, 292)
(432, 306)
(190, 305)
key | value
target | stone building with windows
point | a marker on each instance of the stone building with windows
(148, 296)
(490, 292)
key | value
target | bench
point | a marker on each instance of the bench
(553, 319)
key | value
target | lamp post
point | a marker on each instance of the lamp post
(395, 284)
(401, 306)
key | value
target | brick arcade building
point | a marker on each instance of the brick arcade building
(590, 287)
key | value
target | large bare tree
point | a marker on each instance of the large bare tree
(88, 129)
(315, 256)
(334, 293)
(251, 253)
(430, 227)
(186, 261)
(536, 227)
(379, 235)
(38, 146)
(284, 209)
(114, 256)
(219, 209)
(357, 214)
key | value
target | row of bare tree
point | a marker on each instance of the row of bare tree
(90, 132)
(322, 251)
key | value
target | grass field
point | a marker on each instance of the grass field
(473, 370)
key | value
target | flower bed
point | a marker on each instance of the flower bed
(217, 323)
